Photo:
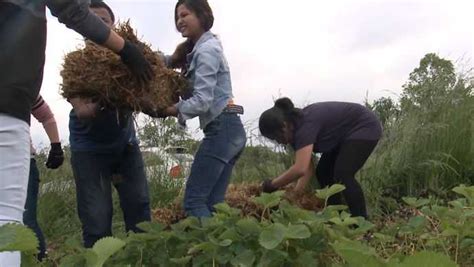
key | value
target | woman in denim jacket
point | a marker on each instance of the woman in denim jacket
(211, 100)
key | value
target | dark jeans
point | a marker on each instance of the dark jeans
(29, 216)
(224, 141)
(340, 166)
(94, 174)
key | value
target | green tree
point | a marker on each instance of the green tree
(165, 132)
(430, 143)
(386, 109)
(430, 84)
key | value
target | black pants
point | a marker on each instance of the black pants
(340, 166)
(29, 215)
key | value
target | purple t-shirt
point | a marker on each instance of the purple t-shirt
(327, 124)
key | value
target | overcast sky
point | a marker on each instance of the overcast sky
(307, 50)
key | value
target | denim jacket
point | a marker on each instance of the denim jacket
(209, 78)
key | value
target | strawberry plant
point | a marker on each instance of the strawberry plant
(285, 235)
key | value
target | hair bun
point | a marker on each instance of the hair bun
(284, 104)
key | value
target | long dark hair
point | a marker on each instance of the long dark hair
(272, 121)
(202, 10)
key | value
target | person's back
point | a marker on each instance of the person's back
(328, 123)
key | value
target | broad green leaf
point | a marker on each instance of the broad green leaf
(317, 242)
(357, 254)
(300, 231)
(384, 238)
(363, 225)
(336, 220)
(345, 222)
(468, 192)
(427, 259)
(105, 248)
(414, 225)
(217, 242)
(272, 236)
(189, 222)
(223, 256)
(466, 243)
(226, 209)
(459, 203)
(330, 191)
(91, 257)
(296, 214)
(269, 200)
(151, 227)
(204, 246)
(244, 259)
(182, 261)
(230, 234)
(306, 259)
(208, 223)
(350, 221)
(73, 261)
(272, 258)
(440, 211)
(417, 221)
(345, 215)
(248, 226)
(17, 237)
(73, 243)
(202, 260)
(416, 203)
(28, 260)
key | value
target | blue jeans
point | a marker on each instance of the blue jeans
(29, 215)
(94, 174)
(224, 141)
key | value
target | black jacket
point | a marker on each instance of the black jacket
(23, 44)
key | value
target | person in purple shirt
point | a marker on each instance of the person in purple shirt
(345, 134)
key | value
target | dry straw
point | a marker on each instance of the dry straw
(98, 73)
(240, 196)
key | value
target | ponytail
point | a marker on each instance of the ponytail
(284, 104)
(272, 121)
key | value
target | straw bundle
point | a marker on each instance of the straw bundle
(98, 73)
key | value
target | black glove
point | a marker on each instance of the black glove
(267, 186)
(136, 62)
(55, 157)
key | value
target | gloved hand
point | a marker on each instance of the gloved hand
(267, 186)
(136, 62)
(147, 107)
(55, 157)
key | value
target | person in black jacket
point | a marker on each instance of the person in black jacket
(22, 57)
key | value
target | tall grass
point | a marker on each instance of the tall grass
(424, 151)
